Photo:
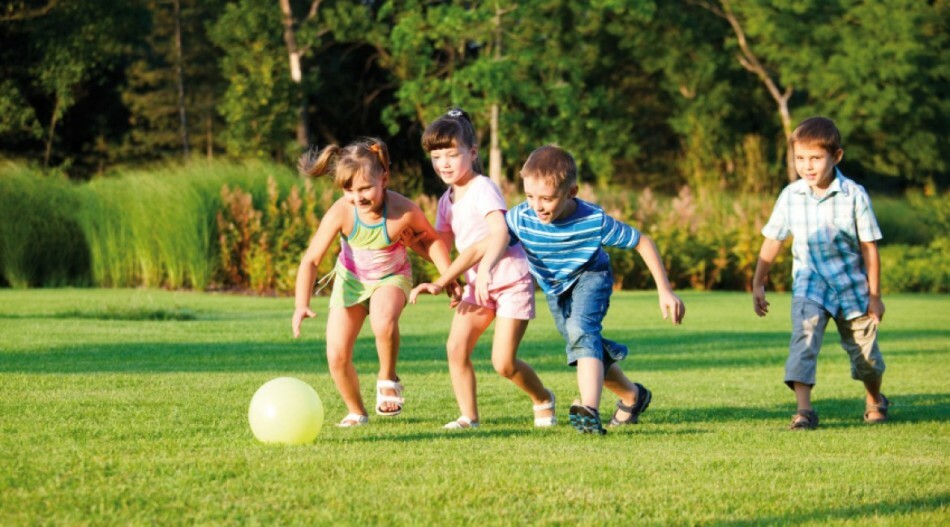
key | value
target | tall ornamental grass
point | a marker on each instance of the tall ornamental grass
(244, 226)
(157, 228)
(41, 243)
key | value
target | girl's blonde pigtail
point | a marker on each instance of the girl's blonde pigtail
(316, 163)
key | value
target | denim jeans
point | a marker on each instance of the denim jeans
(579, 313)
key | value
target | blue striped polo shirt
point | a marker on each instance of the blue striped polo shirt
(560, 251)
(827, 264)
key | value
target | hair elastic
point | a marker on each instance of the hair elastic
(454, 112)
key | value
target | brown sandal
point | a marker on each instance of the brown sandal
(804, 420)
(880, 408)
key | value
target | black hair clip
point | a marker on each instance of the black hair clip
(454, 113)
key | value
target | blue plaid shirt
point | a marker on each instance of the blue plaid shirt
(827, 265)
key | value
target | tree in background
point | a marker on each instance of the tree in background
(876, 68)
(152, 92)
(645, 93)
(60, 60)
(258, 105)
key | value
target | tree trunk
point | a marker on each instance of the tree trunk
(494, 150)
(296, 75)
(751, 63)
(52, 131)
(209, 135)
(179, 73)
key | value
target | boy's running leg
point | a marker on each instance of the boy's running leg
(343, 326)
(875, 403)
(634, 397)
(508, 335)
(590, 380)
(385, 307)
(805, 418)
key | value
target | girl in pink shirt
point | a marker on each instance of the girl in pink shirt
(470, 211)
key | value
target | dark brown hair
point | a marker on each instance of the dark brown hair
(452, 130)
(818, 131)
(551, 163)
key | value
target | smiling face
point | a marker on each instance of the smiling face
(816, 165)
(366, 193)
(453, 164)
(548, 201)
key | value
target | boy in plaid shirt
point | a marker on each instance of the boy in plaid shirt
(836, 269)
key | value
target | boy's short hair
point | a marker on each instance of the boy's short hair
(551, 163)
(818, 131)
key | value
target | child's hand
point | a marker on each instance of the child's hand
(672, 307)
(759, 304)
(299, 315)
(408, 237)
(454, 291)
(431, 289)
(876, 309)
(482, 282)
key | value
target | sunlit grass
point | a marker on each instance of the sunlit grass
(124, 419)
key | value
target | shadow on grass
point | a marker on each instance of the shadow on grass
(879, 511)
(835, 413)
(419, 354)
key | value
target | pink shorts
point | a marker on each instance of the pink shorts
(515, 300)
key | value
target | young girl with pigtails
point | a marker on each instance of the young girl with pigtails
(372, 276)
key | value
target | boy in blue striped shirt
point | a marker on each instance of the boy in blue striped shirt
(836, 269)
(563, 237)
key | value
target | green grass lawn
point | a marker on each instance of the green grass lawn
(130, 407)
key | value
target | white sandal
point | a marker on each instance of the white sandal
(383, 384)
(353, 420)
(551, 420)
(461, 423)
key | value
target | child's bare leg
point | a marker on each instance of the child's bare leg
(468, 324)
(508, 335)
(616, 381)
(802, 395)
(590, 380)
(343, 326)
(873, 397)
(384, 310)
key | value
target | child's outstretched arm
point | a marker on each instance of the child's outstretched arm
(670, 305)
(330, 227)
(872, 260)
(767, 255)
(462, 263)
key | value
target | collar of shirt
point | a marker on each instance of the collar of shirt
(834, 188)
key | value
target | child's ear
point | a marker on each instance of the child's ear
(838, 155)
(572, 192)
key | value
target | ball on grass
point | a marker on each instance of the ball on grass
(285, 410)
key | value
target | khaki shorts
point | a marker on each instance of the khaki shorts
(858, 338)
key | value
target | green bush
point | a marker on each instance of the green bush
(907, 268)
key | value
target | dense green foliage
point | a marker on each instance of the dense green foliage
(645, 93)
(130, 407)
(227, 226)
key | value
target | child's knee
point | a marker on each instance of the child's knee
(337, 359)
(505, 368)
(456, 350)
(386, 329)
